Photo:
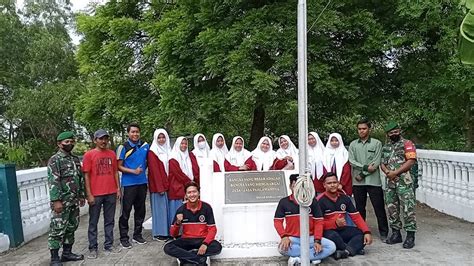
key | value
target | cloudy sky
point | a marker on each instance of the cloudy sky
(77, 5)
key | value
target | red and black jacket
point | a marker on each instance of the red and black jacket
(288, 210)
(334, 208)
(198, 224)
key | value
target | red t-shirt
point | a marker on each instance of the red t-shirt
(101, 166)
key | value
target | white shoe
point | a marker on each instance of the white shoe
(315, 262)
(293, 260)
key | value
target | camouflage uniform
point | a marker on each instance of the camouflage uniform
(66, 183)
(399, 194)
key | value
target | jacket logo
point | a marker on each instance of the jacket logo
(202, 218)
(343, 207)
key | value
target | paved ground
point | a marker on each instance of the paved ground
(441, 240)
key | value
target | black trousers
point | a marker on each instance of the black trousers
(377, 200)
(348, 238)
(133, 196)
(107, 202)
(185, 249)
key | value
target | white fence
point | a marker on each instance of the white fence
(446, 182)
(34, 204)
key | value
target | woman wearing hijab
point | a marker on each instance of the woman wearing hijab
(218, 152)
(336, 160)
(264, 156)
(201, 148)
(158, 169)
(287, 155)
(183, 169)
(238, 158)
(315, 160)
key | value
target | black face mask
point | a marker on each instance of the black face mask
(68, 147)
(395, 137)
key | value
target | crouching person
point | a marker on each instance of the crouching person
(288, 211)
(349, 240)
(196, 220)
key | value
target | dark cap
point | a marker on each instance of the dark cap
(100, 133)
(390, 126)
(65, 135)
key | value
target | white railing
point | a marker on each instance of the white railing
(34, 202)
(446, 182)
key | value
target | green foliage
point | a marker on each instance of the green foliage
(230, 67)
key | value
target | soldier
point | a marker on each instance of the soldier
(398, 156)
(66, 191)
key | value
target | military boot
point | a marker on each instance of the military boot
(395, 238)
(68, 255)
(55, 261)
(410, 240)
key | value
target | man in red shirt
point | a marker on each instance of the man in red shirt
(103, 190)
(196, 220)
(334, 205)
(287, 224)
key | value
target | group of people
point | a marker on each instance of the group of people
(172, 175)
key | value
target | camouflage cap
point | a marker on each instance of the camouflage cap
(65, 135)
(390, 126)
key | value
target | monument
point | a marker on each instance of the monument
(244, 205)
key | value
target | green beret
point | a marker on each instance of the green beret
(391, 125)
(65, 135)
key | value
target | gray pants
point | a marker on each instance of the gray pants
(108, 202)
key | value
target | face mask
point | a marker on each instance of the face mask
(68, 147)
(202, 144)
(395, 137)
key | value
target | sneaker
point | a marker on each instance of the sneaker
(93, 254)
(160, 238)
(111, 250)
(125, 244)
(293, 261)
(315, 262)
(139, 240)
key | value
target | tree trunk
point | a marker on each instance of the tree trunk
(470, 123)
(258, 126)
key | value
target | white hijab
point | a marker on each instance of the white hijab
(237, 158)
(316, 157)
(263, 160)
(218, 154)
(183, 158)
(198, 152)
(291, 151)
(338, 155)
(161, 151)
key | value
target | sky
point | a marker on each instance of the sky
(77, 5)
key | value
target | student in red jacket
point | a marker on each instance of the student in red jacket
(315, 160)
(336, 160)
(238, 158)
(287, 155)
(287, 224)
(196, 220)
(264, 156)
(158, 168)
(218, 152)
(183, 169)
(349, 240)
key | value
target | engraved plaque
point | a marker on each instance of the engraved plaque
(254, 187)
